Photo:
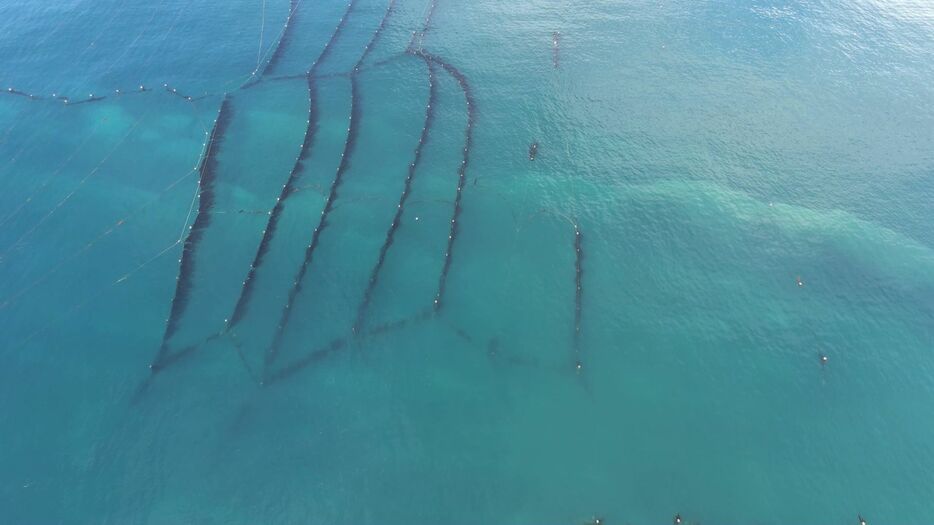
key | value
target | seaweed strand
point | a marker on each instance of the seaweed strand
(462, 170)
(207, 169)
(578, 291)
(407, 189)
(246, 291)
(353, 130)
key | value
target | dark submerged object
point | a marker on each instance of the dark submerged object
(533, 150)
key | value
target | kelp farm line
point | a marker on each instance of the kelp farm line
(410, 176)
(262, 67)
(353, 130)
(246, 291)
(462, 171)
(270, 63)
(400, 208)
(207, 172)
(578, 294)
(319, 354)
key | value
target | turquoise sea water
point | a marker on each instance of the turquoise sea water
(711, 154)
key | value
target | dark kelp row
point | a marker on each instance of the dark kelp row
(270, 63)
(246, 291)
(353, 130)
(578, 292)
(349, 144)
(334, 36)
(71, 101)
(462, 171)
(400, 208)
(337, 344)
(207, 169)
(207, 173)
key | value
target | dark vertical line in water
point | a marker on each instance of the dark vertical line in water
(419, 35)
(280, 46)
(289, 187)
(462, 171)
(578, 291)
(353, 130)
(207, 169)
(337, 344)
(407, 189)
(246, 291)
(376, 34)
(349, 144)
(330, 43)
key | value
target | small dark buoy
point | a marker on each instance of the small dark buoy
(533, 150)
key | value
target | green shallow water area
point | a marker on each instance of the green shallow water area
(214, 310)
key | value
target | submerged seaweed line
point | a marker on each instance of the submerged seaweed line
(326, 51)
(19, 93)
(578, 291)
(206, 177)
(407, 189)
(578, 279)
(462, 171)
(71, 101)
(246, 291)
(420, 35)
(122, 279)
(349, 146)
(275, 54)
(335, 345)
